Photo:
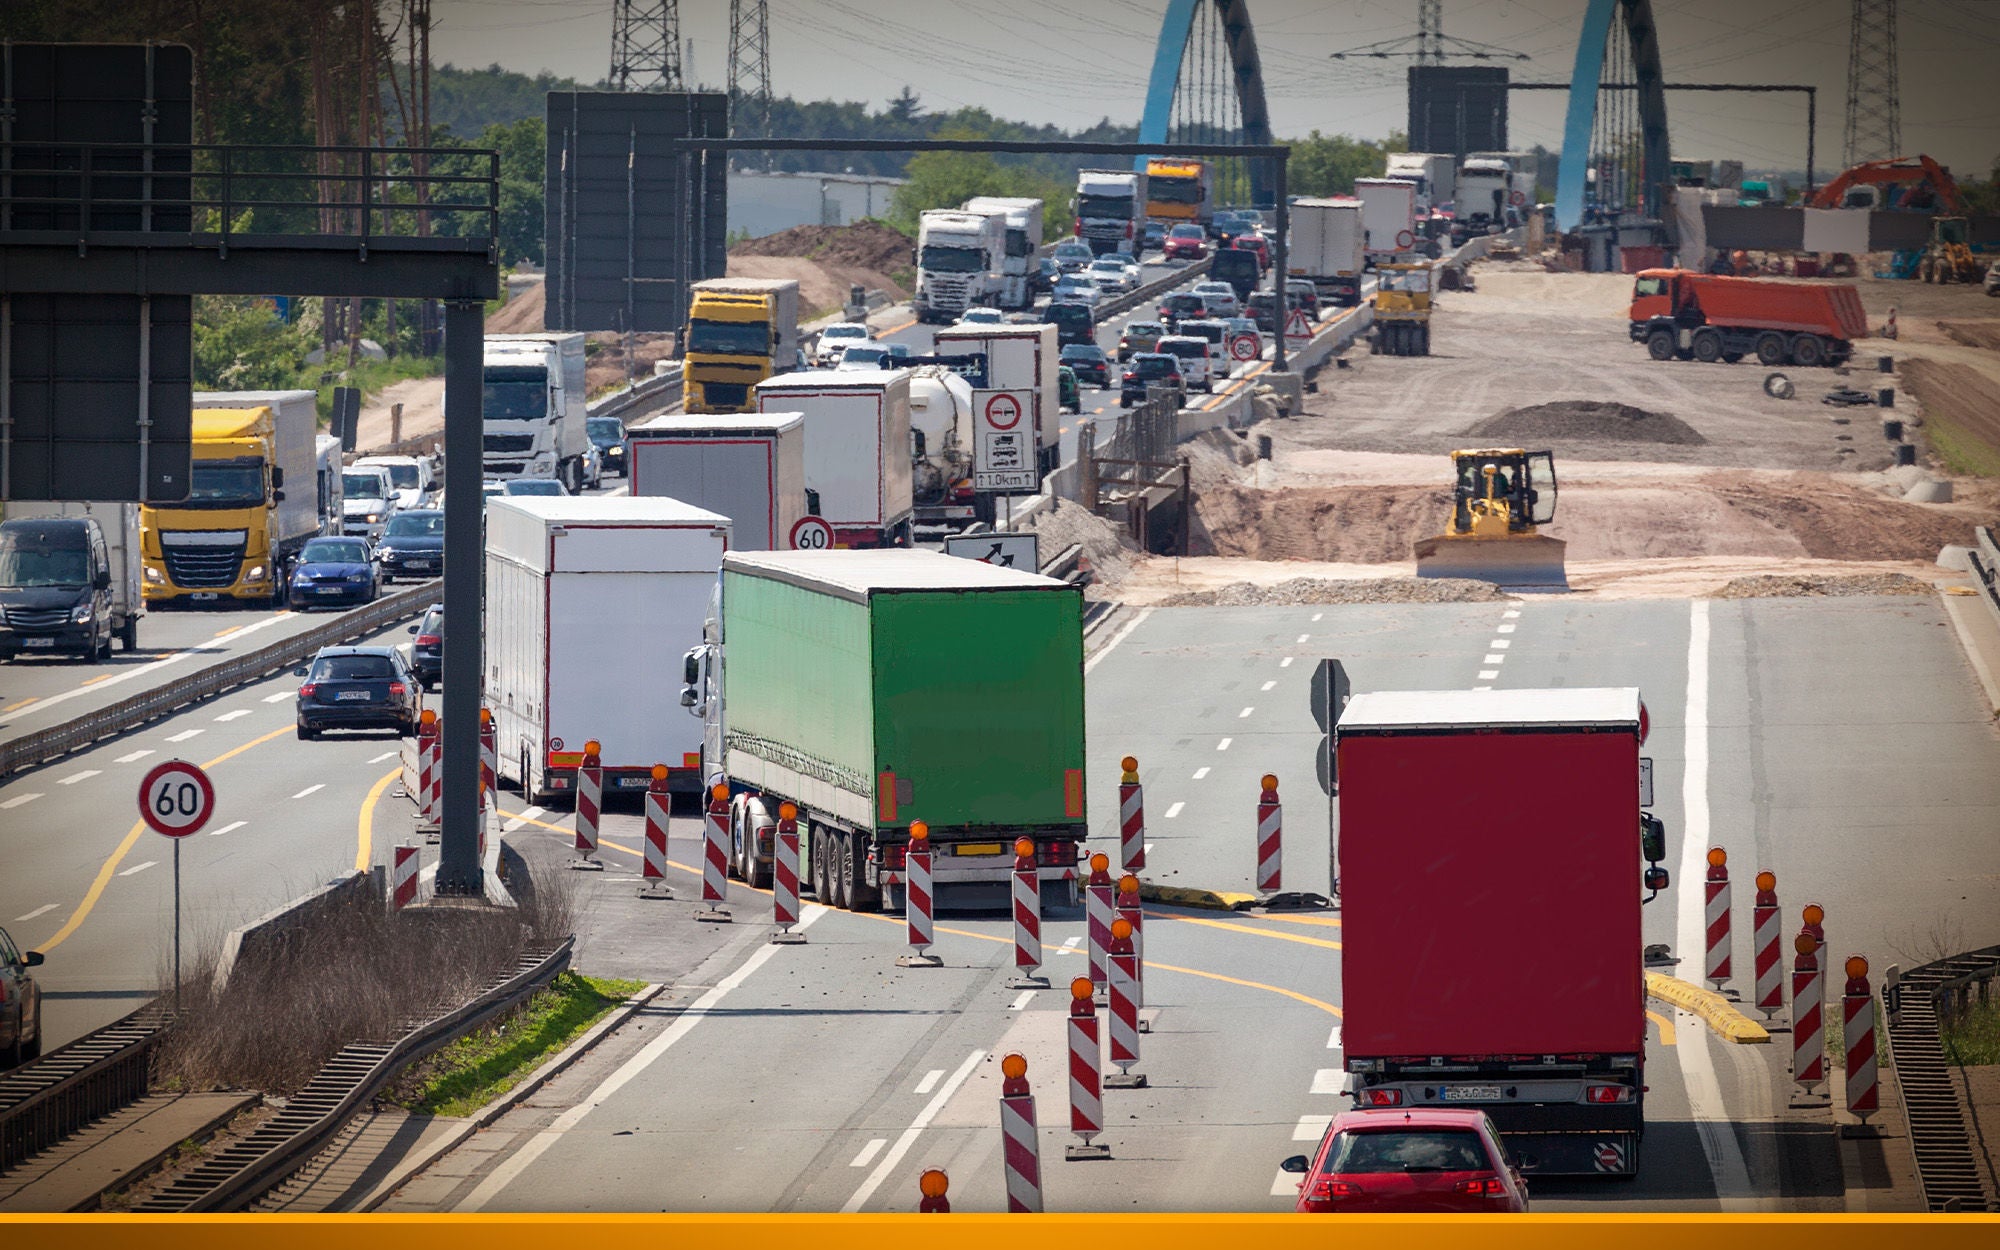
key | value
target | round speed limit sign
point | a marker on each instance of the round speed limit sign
(176, 798)
(1243, 347)
(811, 533)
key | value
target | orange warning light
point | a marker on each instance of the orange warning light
(428, 716)
(920, 831)
(1129, 764)
(1121, 928)
(1717, 857)
(719, 791)
(1857, 967)
(1024, 848)
(933, 1183)
(1814, 913)
(788, 811)
(593, 747)
(659, 772)
(1270, 783)
(1014, 1067)
(1767, 881)
(1100, 862)
(1081, 988)
(1804, 944)
(486, 716)
(1128, 884)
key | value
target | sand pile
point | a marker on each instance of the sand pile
(1573, 419)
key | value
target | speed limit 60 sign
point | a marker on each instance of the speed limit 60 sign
(176, 798)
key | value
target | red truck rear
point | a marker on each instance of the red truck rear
(1684, 315)
(1489, 863)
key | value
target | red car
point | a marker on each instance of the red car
(1418, 1160)
(1255, 243)
(1185, 242)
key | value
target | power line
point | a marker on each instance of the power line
(646, 46)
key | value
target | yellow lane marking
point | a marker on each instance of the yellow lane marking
(23, 703)
(364, 842)
(1244, 928)
(110, 866)
(224, 633)
(1666, 1028)
(634, 852)
(92, 681)
(897, 329)
(1331, 921)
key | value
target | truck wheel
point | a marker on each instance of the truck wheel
(128, 633)
(839, 869)
(1808, 351)
(1423, 340)
(816, 863)
(1772, 349)
(1707, 346)
(1660, 344)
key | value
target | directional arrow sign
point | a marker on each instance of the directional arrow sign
(1005, 551)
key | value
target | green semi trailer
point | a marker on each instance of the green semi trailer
(874, 688)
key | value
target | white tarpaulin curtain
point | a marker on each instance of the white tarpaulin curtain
(1836, 230)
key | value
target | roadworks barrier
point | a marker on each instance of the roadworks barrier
(1717, 1012)
(1185, 896)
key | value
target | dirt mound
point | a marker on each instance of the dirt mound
(1808, 587)
(1586, 419)
(1068, 524)
(1312, 590)
(1984, 334)
(862, 245)
(522, 314)
(1359, 525)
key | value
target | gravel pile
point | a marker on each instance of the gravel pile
(1585, 419)
(1803, 586)
(1314, 590)
(1068, 524)
(863, 245)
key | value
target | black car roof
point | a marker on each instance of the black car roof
(326, 652)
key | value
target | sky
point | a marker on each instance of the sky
(1072, 63)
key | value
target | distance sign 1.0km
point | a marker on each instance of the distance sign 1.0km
(176, 798)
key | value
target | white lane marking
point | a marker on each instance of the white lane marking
(1070, 944)
(1269, 685)
(317, 785)
(1021, 1002)
(1489, 674)
(1224, 744)
(874, 1147)
(144, 669)
(1482, 687)
(1500, 644)
(281, 696)
(134, 755)
(139, 867)
(1286, 1185)
(1304, 637)
(1287, 661)
(1311, 1127)
(19, 799)
(1494, 657)
(931, 1078)
(386, 755)
(239, 712)
(1317, 615)
(43, 910)
(519, 1162)
(1123, 633)
(85, 775)
(185, 734)
(1175, 810)
(1149, 848)
(909, 1137)
(234, 824)
(1329, 1081)
(1333, 1039)
(1201, 772)
(1245, 713)
(1510, 614)
(1504, 629)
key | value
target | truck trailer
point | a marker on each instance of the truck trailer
(874, 688)
(1491, 951)
(1325, 248)
(1388, 218)
(579, 592)
(857, 449)
(739, 332)
(1021, 258)
(750, 468)
(1435, 174)
(1683, 315)
(1024, 358)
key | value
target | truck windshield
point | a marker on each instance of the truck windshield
(939, 259)
(1018, 245)
(1119, 206)
(401, 476)
(515, 393)
(362, 486)
(23, 565)
(1648, 286)
(729, 338)
(221, 484)
(1174, 190)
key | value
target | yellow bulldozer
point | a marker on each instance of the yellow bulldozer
(1500, 498)
(1402, 310)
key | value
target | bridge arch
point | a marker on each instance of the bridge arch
(1186, 23)
(1624, 31)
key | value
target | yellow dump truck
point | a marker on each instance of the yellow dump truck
(1402, 310)
(739, 332)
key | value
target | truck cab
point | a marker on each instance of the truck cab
(532, 405)
(739, 332)
(958, 259)
(240, 525)
(56, 590)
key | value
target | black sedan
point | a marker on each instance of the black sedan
(332, 573)
(427, 652)
(357, 688)
(1150, 368)
(608, 435)
(1090, 363)
(412, 546)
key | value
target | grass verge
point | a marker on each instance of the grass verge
(1972, 1037)
(476, 1069)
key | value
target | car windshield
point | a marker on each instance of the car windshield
(23, 566)
(1123, 258)
(1184, 349)
(536, 486)
(401, 476)
(1082, 351)
(605, 431)
(1073, 251)
(1154, 367)
(1185, 232)
(352, 668)
(844, 331)
(864, 353)
(416, 525)
(1184, 302)
(334, 551)
(1408, 1150)
(1069, 316)
(1144, 328)
(361, 485)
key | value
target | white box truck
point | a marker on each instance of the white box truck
(579, 594)
(1435, 174)
(1018, 358)
(1024, 240)
(119, 522)
(749, 467)
(1325, 248)
(1388, 217)
(959, 256)
(1484, 185)
(534, 407)
(857, 449)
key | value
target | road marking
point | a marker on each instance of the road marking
(1269, 684)
(139, 867)
(1070, 944)
(910, 1134)
(930, 1080)
(1666, 1028)
(1510, 614)
(85, 775)
(1224, 744)
(1021, 1002)
(20, 704)
(1494, 657)
(1489, 674)
(143, 669)
(1329, 1081)
(874, 1147)
(232, 825)
(238, 714)
(1116, 638)
(1303, 637)
(43, 910)
(1505, 629)
(1311, 1127)
(1175, 810)
(1201, 772)
(1333, 1039)
(135, 755)
(92, 681)
(317, 785)
(1318, 615)
(364, 838)
(281, 696)
(1245, 713)
(184, 735)
(683, 1024)
(1244, 928)
(19, 799)
(1287, 1184)
(1500, 644)
(1287, 661)
(386, 755)
(1482, 687)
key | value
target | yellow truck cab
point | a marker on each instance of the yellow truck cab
(739, 332)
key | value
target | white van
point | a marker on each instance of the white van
(1192, 352)
(1215, 332)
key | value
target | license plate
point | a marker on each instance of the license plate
(203, 596)
(421, 564)
(631, 783)
(1472, 1093)
(38, 642)
(326, 590)
(976, 848)
(353, 695)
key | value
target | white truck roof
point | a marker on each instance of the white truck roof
(832, 379)
(1605, 707)
(856, 574)
(697, 425)
(608, 510)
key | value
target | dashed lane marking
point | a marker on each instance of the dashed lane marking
(1494, 657)
(19, 703)
(1311, 1127)
(136, 868)
(1245, 713)
(19, 799)
(1269, 685)
(1482, 687)
(185, 734)
(1021, 1002)
(1175, 810)
(874, 1147)
(1328, 1081)
(92, 681)
(930, 1080)
(1201, 772)
(85, 775)
(386, 755)
(1318, 615)
(238, 714)
(1510, 614)
(1304, 637)
(43, 910)
(909, 1135)
(1224, 744)
(281, 696)
(135, 755)
(1287, 661)
(1505, 629)
(1333, 1039)
(1500, 644)
(315, 786)
(231, 826)
(1489, 674)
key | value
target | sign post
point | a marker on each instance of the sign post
(176, 799)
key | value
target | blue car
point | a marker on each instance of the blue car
(333, 572)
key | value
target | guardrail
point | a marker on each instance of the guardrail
(56, 741)
(1939, 1136)
(241, 1172)
(662, 387)
(1984, 561)
(49, 1098)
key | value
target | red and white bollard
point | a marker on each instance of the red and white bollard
(917, 899)
(1858, 1034)
(427, 768)
(1086, 1061)
(1131, 816)
(1027, 919)
(1020, 1145)
(1128, 911)
(785, 876)
(1716, 917)
(1768, 929)
(1100, 908)
(653, 869)
(589, 803)
(402, 877)
(489, 776)
(715, 856)
(1270, 833)
(1808, 1029)
(934, 1185)
(1124, 1009)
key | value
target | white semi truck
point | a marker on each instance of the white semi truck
(1484, 184)
(533, 405)
(959, 260)
(1110, 209)
(857, 449)
(1435, 174)
(1024, 241)
(1388, 217)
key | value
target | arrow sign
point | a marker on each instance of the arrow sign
(1002, 551)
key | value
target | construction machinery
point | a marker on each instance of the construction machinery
(1500, 498)
(1949, 257)
(1909, 183)
(1402, 310)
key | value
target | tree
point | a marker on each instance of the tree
(1329, 164)
(904, 108)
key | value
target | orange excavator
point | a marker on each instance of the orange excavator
(1910, 183)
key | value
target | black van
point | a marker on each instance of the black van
(1238, 268)
(55, 588)
(1073, 322)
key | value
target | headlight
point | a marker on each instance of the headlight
(153, 576)
(256, 573)
(80, 614)
(374, 518)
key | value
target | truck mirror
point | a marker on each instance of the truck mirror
(917, 443)
(277, 496)
(277, 476)
(102, 581)
(688, 697)
(1656, 879)
(1652, 838)
(812, 501)
(691, 668)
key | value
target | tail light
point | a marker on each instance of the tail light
(308, 690)
(1055, 854)
(398, 689)
(430, 640)
(1327, 1189)
(1607, 1093)
(962, 489)
(1385, 1097)
(1131, 377)
(1491, 1187)
(896, 857)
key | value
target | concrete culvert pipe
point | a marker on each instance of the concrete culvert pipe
(1778, 386)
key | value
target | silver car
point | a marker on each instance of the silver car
(1221, 297)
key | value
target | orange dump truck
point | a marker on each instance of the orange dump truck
(1682, 315)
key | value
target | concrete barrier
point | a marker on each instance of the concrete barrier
(266, 936)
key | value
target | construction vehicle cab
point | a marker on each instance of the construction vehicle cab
(1500, 496)
(1948, 258)
(1402, 310)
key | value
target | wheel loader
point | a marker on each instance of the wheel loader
(1402, 310)
(1949, 257)
(1500, 496)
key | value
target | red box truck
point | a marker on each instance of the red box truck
(1683, 315)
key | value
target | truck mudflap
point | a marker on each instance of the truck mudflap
(1574, 1154)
